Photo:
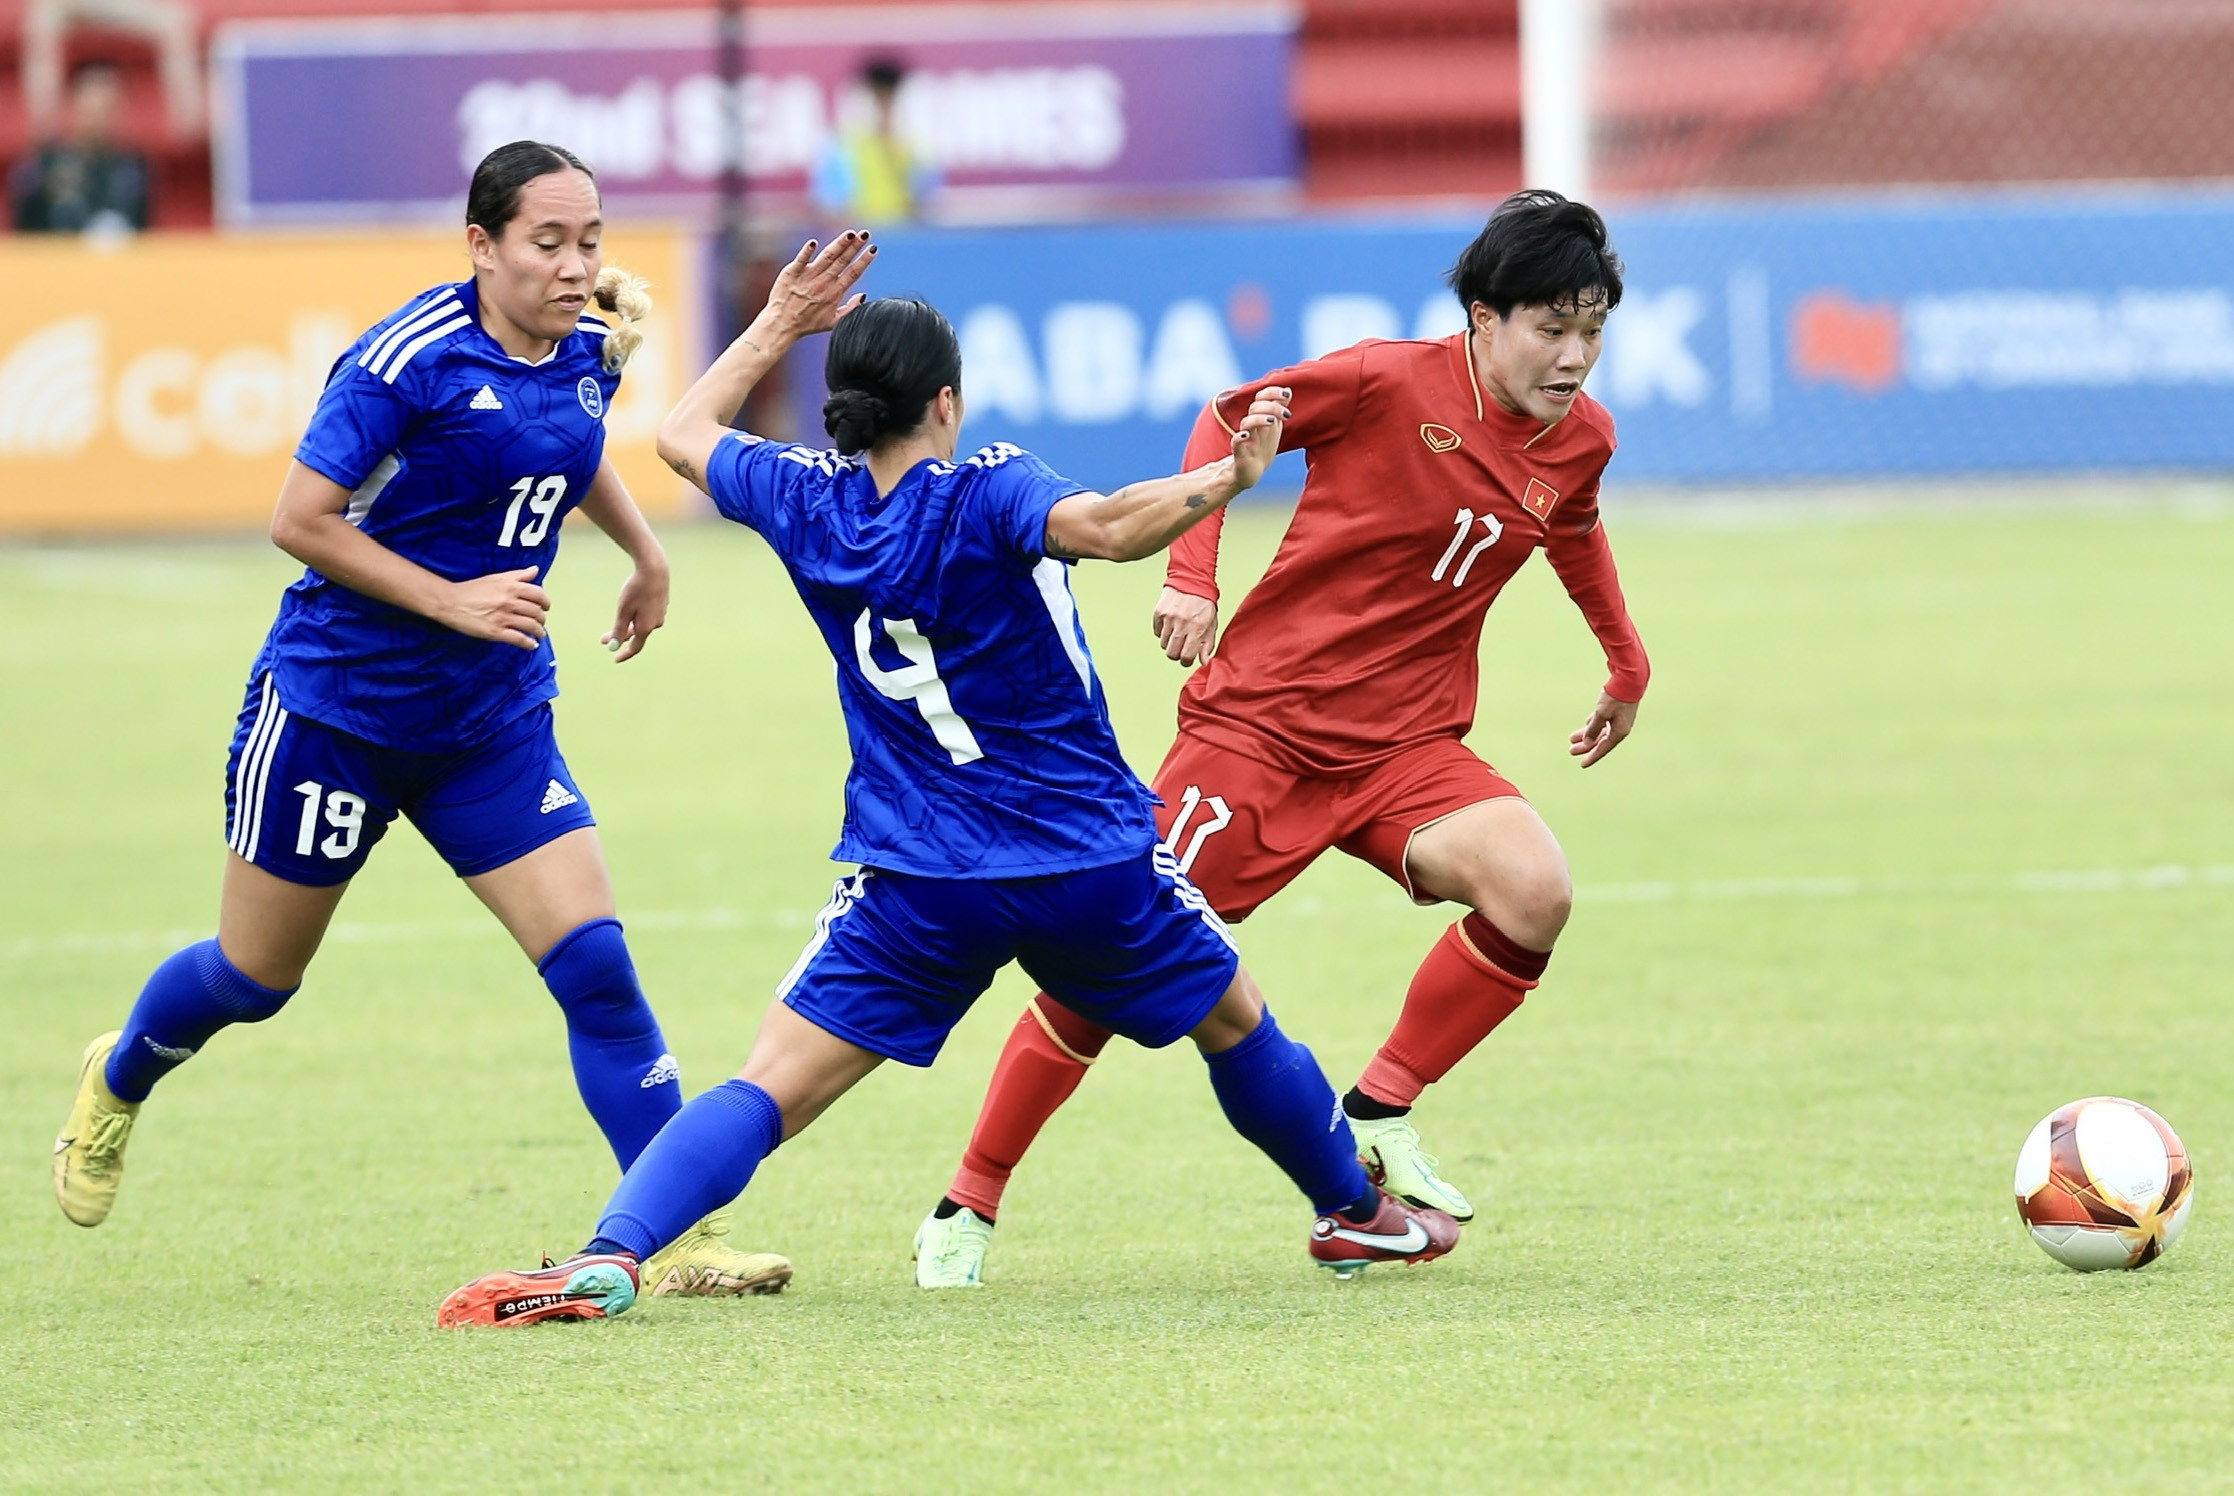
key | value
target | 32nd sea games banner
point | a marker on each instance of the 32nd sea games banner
(382, 120)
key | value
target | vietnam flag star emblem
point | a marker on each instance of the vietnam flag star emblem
(1538, 498)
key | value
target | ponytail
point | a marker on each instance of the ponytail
(628, 297)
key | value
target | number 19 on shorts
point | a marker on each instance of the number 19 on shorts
(344, 815)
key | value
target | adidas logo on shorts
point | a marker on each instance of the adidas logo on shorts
(486, 400)
(557, 797)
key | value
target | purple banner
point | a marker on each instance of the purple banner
(358, 121)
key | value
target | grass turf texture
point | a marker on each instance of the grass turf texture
(1743, 1164)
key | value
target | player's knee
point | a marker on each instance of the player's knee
(242, 993)
(593, 978)
(1530, 904)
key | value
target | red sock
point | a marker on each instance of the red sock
(1044, 1060)
(1473, 980)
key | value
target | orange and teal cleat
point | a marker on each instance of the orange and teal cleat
(585, 1287)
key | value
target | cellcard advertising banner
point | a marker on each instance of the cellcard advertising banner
(383, 120)
(1760, 343)
(162, 384)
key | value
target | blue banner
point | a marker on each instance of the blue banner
(1940, 335)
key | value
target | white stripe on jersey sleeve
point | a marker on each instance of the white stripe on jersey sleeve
(1053, 580)
(405, 326)
(368, 492)
(411, 349)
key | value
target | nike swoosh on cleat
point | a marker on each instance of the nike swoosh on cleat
(1413, 1239)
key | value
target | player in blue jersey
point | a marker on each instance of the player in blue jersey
(989, 808)
(409, 672)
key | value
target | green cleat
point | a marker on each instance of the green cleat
(89, 1156)
(1390, 1150)
(700, 1265)
(951, 1253)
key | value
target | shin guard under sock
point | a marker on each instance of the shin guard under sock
(1275, 1095)
(1473, 980)
(190, 997)
(1040, 1066)
(627, 1078)
(699, 1162)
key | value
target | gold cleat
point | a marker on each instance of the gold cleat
(699, 1264)
(89, 1156)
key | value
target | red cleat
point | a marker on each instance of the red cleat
(583, 1287)
(1400, 1233)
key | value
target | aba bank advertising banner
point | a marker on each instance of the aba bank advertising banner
(364, 120)
(163, 384)
(1870, 340)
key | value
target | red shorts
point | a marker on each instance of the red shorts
(1243, 830)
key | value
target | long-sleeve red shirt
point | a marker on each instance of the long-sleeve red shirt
(1424, 497)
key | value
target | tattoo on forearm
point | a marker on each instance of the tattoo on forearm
(682, 466)
(1197, 500)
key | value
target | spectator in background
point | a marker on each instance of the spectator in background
(170, 25)
(85, 182)
(867, 172)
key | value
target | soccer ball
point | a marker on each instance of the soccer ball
(2104, 1183)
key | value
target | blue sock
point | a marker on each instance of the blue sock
(190, 997)
(627, 1078)
(699, 1163)
(1275, 1095)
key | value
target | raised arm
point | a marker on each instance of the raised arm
(810, 295)
(1143, 518)
(309, 524)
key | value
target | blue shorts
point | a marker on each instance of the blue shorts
(896, 960)
(306, 802)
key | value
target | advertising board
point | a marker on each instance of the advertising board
(1756, 343)
(1076, 101)
(162, 384)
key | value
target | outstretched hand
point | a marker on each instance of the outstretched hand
(812, 292)
(1256, 441)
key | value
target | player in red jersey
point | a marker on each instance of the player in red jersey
(1335, 712)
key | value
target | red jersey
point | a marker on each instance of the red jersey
(1424, 497)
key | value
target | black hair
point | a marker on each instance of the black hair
(494, 198)
(1539, 249)
(888, 360)
(883, 73)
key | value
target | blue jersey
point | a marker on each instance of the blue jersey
(463, 459)
(981, 738)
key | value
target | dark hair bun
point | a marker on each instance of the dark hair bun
(857, 419)
(887, 361)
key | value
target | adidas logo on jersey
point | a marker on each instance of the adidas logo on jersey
(557, 797)
(486, 400)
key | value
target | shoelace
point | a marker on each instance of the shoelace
(106, 1140)
(1410, 1137)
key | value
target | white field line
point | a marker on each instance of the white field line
(2167, 878)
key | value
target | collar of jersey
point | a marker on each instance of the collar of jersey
(469, 293)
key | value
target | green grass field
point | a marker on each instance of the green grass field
(1927, 827)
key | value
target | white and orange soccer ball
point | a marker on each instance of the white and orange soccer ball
(2104, 1182)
